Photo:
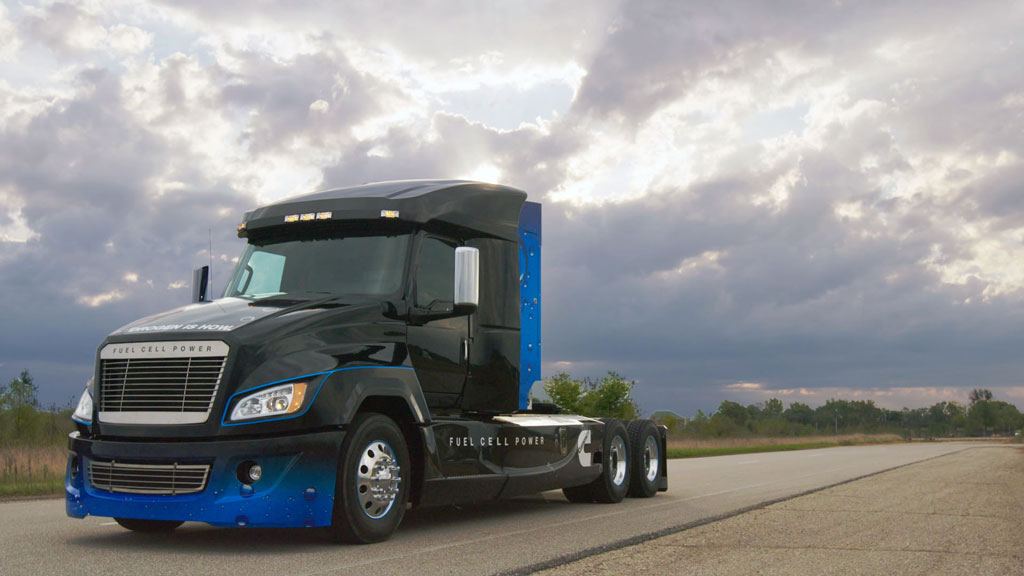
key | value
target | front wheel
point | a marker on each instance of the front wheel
(149, 526)
(373, 482)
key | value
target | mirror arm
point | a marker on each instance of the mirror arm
(396, 309)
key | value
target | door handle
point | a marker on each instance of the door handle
(465, 350)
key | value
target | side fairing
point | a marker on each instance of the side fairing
(529, 300)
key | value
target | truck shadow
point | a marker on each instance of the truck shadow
(419, 525)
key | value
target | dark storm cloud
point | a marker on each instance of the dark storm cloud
(659, 50)
(82, 171)
(999, 196)
(279, 95)
(798, 297)
(785, 304)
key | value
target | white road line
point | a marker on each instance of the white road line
(108, 523)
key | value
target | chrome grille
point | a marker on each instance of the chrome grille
(159, 384)
(170, 479)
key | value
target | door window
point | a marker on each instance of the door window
(435, 272)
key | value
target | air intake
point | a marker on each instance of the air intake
(169, 479)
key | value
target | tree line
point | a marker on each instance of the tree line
(982, 416)
(611, 396)
(23, 422)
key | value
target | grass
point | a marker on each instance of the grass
(693, 448)
(32, 470)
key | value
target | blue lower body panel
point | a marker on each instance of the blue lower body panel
(295, 490)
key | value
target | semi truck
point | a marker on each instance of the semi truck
(374, 350)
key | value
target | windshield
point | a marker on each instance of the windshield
(339, 265)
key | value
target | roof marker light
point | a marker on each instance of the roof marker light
(323, 215)
(389, 213)
(307, 216)
(291, 218)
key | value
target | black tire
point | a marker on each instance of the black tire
(578, 494)
(358, 517)
(148, 526)
(613, 483)
(645, 448)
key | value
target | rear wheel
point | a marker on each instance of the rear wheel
(150, 526)
(613, 483)
(645, 446)
(373, 481)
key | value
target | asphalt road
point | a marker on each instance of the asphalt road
(508, 536)
(962, 514)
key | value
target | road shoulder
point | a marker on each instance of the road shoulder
(958, 514)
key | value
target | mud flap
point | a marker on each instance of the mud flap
(663, 468)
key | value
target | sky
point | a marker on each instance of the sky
(742, 200)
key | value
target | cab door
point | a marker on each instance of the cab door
(438, 349)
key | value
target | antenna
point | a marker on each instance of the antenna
(210, 252)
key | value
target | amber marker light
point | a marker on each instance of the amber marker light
(298, 395)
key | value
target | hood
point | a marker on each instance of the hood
(222, 315)
(266, 344)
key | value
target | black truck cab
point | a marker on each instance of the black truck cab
(375, 347)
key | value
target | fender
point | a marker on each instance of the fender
(345, 389)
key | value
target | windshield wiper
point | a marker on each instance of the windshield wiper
(304, 297)
(300, 305)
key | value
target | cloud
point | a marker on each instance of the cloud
(305, 102)
(843, 250)
(740, 200)
(457, 36)
(63, 27)
(745, 386)
(86, 177)
(126, 39)
(70, 29)
(9, 42)
(96, 300)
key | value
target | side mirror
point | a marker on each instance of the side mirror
(201, 284)
(467, 279)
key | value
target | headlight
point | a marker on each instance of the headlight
(276, 401)
(83, 412)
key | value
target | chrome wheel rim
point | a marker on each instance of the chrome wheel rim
(651, 459)
(377, 479)
(617, 460)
